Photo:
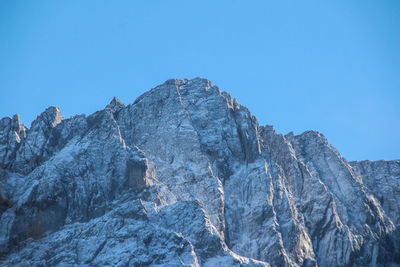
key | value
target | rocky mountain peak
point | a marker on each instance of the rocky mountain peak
(48, 118)
(115, 104)
(186, 176)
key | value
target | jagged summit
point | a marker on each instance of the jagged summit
(186, 176)
(115, 104)
(50, 117)
(197, 83)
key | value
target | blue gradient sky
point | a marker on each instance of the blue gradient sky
(297, 65)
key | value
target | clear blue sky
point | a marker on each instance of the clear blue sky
(298, 65)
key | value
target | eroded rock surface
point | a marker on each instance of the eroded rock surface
(186, 176)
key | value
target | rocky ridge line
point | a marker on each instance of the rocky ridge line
(186, 176)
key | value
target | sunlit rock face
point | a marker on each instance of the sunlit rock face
(186, 176)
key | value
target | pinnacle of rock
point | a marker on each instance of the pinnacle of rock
(115, 104)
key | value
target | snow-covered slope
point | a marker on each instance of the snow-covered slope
(186, 176)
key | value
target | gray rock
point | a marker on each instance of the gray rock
(34, 150)
(186, 176)
(382, 180)
(12, 133)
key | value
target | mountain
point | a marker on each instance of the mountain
(186, 176)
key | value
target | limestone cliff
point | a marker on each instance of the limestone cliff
(186, 176)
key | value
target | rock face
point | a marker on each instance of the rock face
(186, 176)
